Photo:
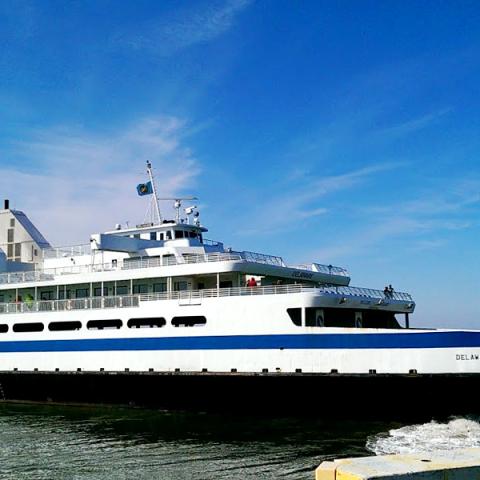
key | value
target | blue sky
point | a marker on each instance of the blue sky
(344, 132)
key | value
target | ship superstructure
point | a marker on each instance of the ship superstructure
(160, 299)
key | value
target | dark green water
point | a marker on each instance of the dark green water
(52, 442)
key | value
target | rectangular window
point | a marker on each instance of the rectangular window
(180, 286)
(178, 233)
(10, 251)
(161, 236)
(97, 291)
(47, 295)
(81, 293)
(10, 235)
(18, 249)
(153, 235)
(140, 289)
(159, 287)
(122, 290)
(12, 222)
(62, 294)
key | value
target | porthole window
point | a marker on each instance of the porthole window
(64, 326)
(188, 321)
(28, 327)
(151, 322)
(103, 324)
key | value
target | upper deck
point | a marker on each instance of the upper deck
(157, 265)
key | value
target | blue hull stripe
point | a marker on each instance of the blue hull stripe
(349, 341)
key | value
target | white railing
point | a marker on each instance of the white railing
(255, 257)
(319, 268)
(70, 251)
(368, 293)
(212, 243)
(127, 301)
(166, 260)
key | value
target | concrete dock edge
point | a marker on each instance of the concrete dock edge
(461, 464)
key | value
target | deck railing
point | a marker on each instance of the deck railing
(70, 251)
(128, 301)
(167, 260)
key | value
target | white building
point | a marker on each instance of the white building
(20, 240)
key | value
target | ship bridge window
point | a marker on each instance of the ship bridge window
(153, 322)
(101, 324)
(179, 234)
(168, 235)
(295, 315)
(153, 235)
(188, 321)
(81, 293)
(28, 327)
(64, 326)
(3, 328)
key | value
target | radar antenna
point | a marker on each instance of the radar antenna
(178, 205)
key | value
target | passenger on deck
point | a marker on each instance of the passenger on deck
(252, 282)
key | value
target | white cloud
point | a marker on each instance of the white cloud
(198, 24)
(86, 181)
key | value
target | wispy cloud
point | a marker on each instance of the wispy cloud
(187, 27)
(85, 182)
(410, 126)
(302, 201)
(449, 207)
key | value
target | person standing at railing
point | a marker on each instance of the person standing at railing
(388, 291)
(252, 282)
(28, 301)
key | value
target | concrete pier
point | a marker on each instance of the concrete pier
(449, 465)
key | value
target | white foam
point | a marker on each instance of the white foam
(457, 433)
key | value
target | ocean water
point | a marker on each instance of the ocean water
(54, 442)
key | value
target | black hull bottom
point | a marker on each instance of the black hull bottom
(346, 396)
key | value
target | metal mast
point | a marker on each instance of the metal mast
(155, 204)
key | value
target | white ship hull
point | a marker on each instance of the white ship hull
(242, 334)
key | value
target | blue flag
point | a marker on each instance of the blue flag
(145, 189)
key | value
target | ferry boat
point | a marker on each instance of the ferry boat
(158, 315)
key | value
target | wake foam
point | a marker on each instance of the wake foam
(457, 433)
